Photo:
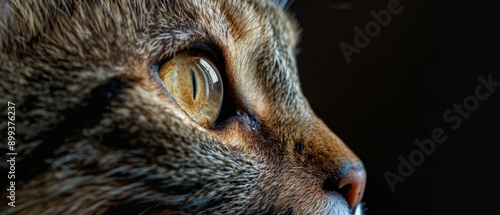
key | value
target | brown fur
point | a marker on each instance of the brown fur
(96, 134)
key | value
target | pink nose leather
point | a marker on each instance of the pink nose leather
(354, 185)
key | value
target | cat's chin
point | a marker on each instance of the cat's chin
(338, 205)
(359, 210)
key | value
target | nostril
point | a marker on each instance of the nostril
(345, 189)
(352, 186)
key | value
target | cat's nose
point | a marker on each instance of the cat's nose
(352, 185)
(340, 169)
(350, 182)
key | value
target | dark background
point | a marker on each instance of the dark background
(396, 90)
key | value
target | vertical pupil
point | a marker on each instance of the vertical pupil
(195, 87)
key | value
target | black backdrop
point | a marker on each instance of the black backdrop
(397, 88)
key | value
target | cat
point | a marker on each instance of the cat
(163, 107)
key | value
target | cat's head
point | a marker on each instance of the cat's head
(118, 111)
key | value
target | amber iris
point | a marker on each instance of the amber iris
(195, 83)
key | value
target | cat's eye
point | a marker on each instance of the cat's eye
(195, 83)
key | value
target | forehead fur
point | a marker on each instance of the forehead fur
(24, 24)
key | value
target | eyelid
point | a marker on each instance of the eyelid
(213, 52)
(156, 73)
